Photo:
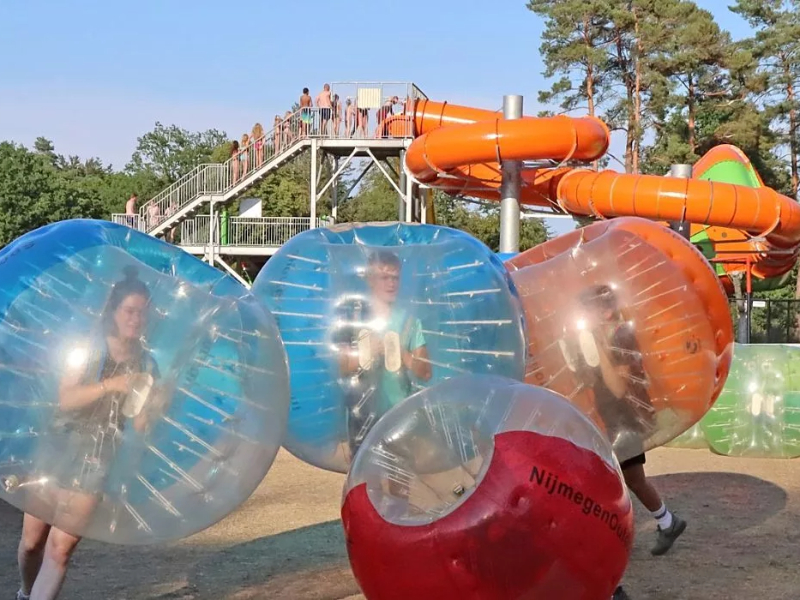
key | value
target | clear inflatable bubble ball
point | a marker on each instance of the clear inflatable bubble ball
(485, 487)
(143, 394)
(629, 321)
(372, 313)
(758, 413)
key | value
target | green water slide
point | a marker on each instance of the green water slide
(731, 171)
(758, 412)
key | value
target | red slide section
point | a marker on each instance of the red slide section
(459, 150)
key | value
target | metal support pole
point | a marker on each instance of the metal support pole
(335, 190)
(681, 172)
(313, 184)
(416, 202)
(402, 210)
(510, 186)
(409, 190)
(210, 253)
(748, 299)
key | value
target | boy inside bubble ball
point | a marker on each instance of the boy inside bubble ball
(386, 349)
(612, 364)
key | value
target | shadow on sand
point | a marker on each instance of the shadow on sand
(720, 498)
(309, 563)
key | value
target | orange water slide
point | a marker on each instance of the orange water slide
(459, 150)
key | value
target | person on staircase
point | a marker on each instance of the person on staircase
(277, 126)
(244, 155)
(349, 118)
(382, 114)
(130, 210)
(336, 110)
(234, 162)
(257, 139)
(324, 103)
(306, 113)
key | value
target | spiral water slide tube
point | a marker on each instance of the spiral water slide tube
(460, 149)
(730, 249)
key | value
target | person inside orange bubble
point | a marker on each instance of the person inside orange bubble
(612, 364)
(619, 382)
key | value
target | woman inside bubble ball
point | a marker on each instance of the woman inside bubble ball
(103, 386)
(382, 356)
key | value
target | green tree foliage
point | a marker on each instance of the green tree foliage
(484, 223)
(572, 48)
(40, 186)
(286, 192)
(776, 48)
(692, 61)
(167, 153)
(376, 200)
(33, 193)
(663, 73)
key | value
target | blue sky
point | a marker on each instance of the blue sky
(93, 75)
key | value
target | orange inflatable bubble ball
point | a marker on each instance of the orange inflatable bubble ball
(627, 320)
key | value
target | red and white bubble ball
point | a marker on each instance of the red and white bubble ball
(485, 487)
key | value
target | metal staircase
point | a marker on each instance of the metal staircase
(224, 182)
(221, 183)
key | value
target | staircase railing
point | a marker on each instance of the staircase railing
(219, 178)
(306, 123)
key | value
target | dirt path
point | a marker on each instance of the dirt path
(286, 542)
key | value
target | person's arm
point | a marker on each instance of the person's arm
(614, 376)
(617, 373)
(74, 395)
(417, 361)
(348, 360)
(416, 358)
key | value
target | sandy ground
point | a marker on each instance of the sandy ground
(286, 541)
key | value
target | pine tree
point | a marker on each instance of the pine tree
(573, 46)
(776, 47)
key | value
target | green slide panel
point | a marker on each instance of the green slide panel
(736, 173)
(693, 438)
(758, 412)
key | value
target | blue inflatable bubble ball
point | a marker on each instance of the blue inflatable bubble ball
(372, 313)
(143, 394)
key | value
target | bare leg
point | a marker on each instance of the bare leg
(58, 551)
(31, 551)
(74, 509)
(670, 526)
(637, 482)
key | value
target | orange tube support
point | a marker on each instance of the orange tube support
(759, 211)
(454, 137)
(459, 150)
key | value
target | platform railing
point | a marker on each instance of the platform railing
(253, 232)
(360, 110)
(133, 221)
